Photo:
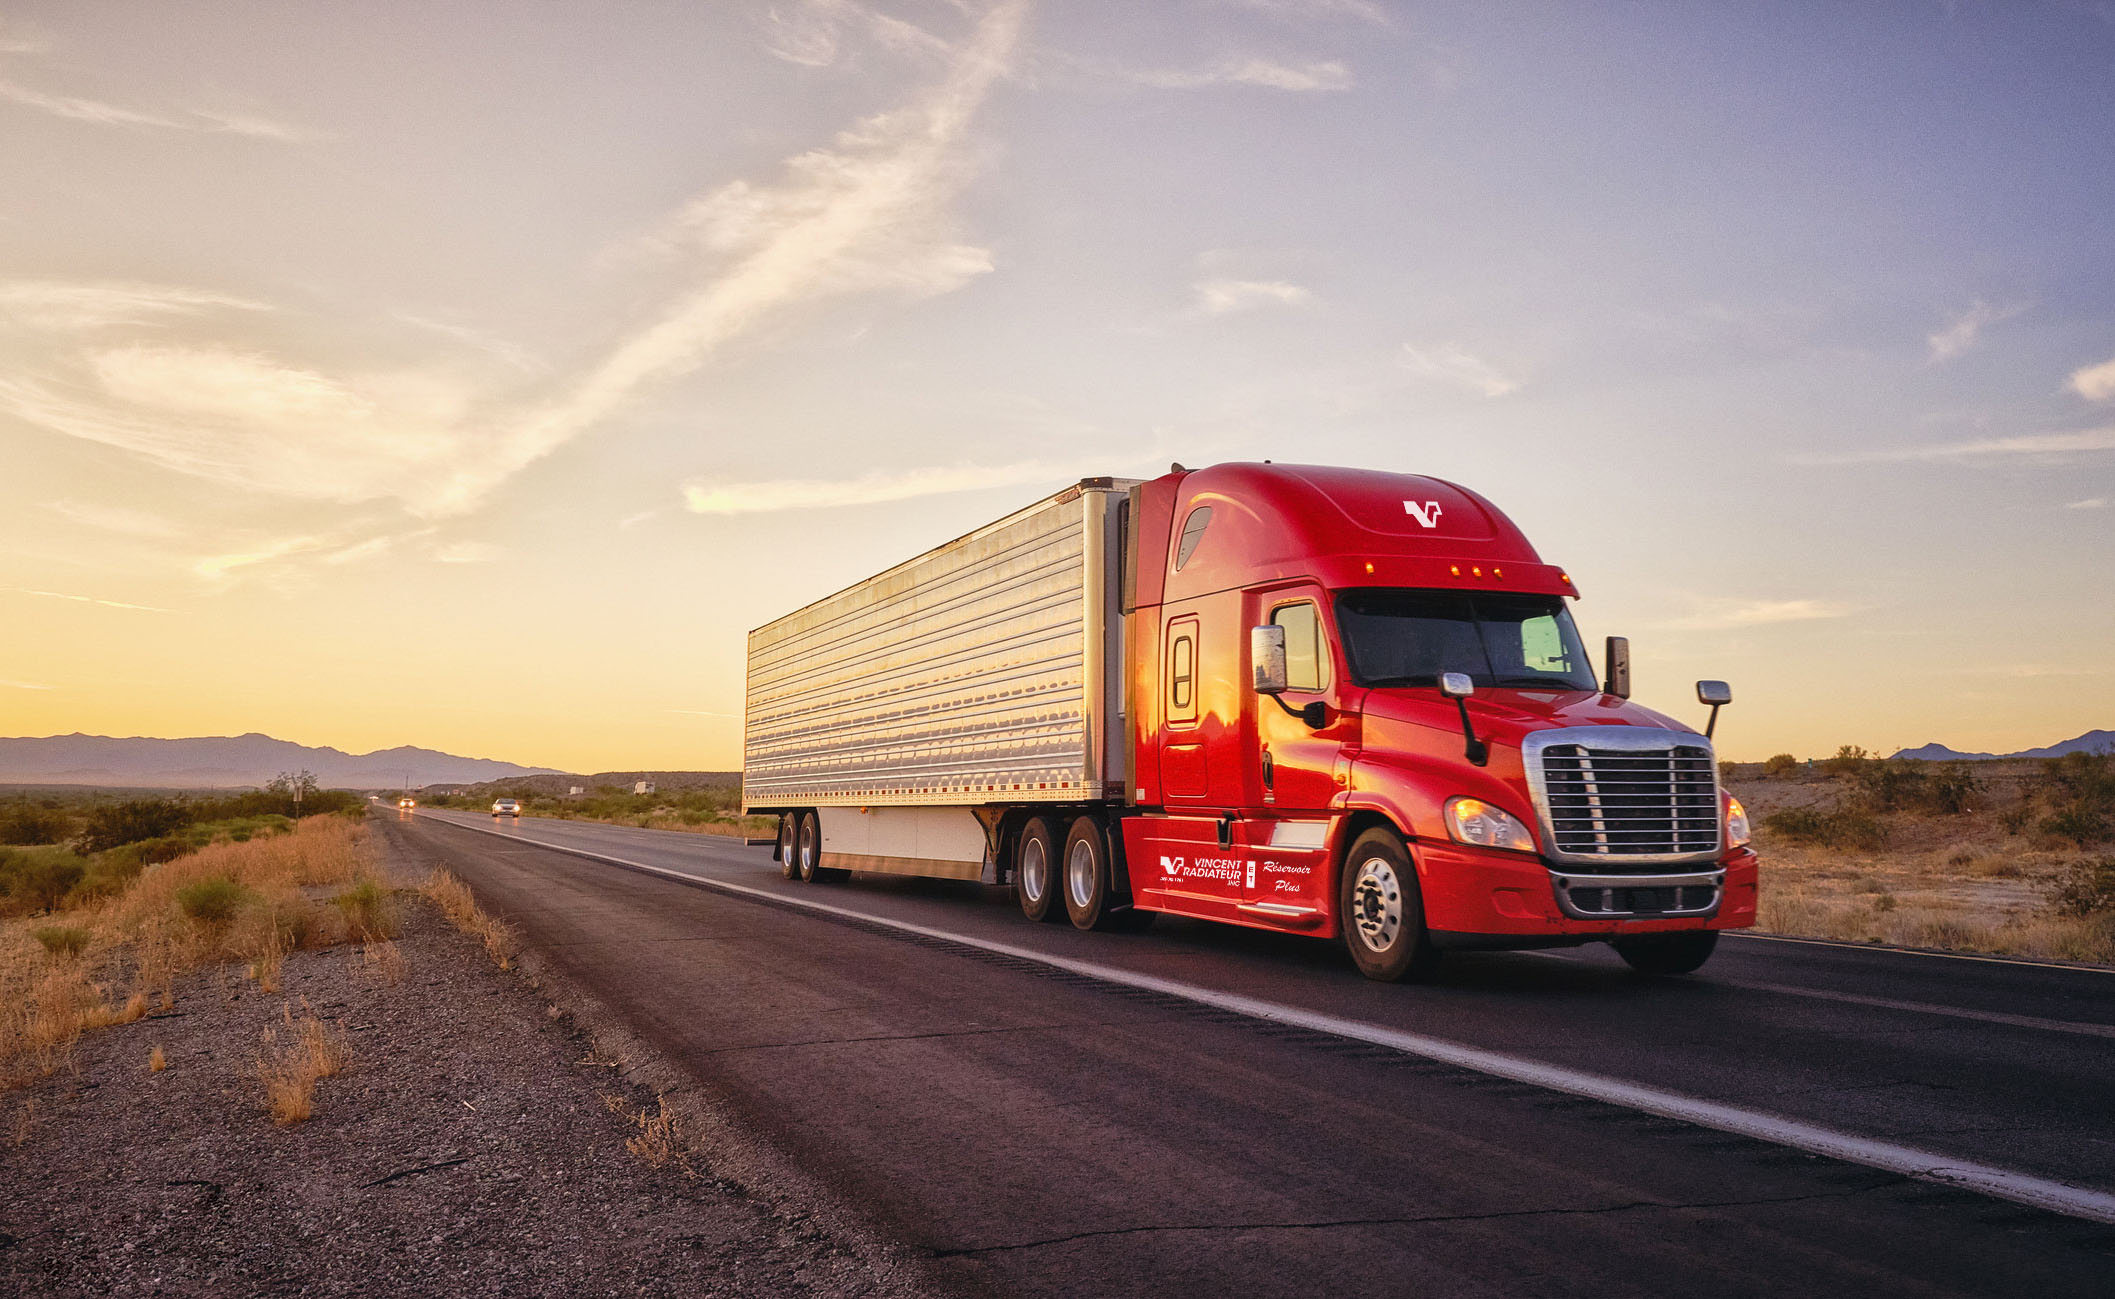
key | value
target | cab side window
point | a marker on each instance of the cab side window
(1303, 645)
(1192, 533)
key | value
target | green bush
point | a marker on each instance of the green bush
(1780, 764)
(38, 879)
(130, 822)
(2087, 889)
(66, 941)
(368, 914)
(1849, 761)
(2079, 823)
(213, 900)
(27, 823)
(1837, 828)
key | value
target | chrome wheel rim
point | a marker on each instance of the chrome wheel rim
(1080, 871)
(1035, 871)
(807, 852)
(1377, 903)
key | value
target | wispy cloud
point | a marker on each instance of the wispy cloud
(1729, 615)
(1452, 365)
(1315, 75)
(22, 685)
(2030, 444)
(2095, 382)
(2090, 503)
(468, 552)
(87, 599)
(869, 213)
(1965, 329)
(703, 497)
(1218, 297)
(1365, 11)
(813, 33)
(98, 112)
(125, 522)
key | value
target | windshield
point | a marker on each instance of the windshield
(1407, 638)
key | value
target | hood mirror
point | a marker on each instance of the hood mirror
(1615, 677)
(1717, 694)
(1458, 686)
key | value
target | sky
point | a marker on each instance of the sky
(475, 377)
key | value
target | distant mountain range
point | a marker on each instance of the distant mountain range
(232, 761)
(2090, 742)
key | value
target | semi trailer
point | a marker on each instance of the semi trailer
(1335, 702)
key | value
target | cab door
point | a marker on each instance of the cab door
(1294, 767)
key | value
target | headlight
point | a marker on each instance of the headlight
(1471, 820)
(1737, 835)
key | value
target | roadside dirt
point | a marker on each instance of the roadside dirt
(474, 1144)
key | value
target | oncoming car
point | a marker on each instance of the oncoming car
(507, 807)
(406, 804)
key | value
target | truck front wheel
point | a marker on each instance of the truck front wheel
(1383, 912)
(1035, 870)
(1677, 953)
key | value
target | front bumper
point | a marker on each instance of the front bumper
(1482, 897)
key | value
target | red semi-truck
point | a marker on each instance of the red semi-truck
(1324, 701)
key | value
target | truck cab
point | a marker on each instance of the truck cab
(1359, 707)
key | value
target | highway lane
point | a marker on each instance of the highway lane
(2002, 1063)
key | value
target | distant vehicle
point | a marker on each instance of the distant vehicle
(1322, 701)
(507, 807)
(406, 804)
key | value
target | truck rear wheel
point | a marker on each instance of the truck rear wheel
(1678, 953)
(1382, 910)
(1035, 871)
(788, 845)
(807, 850)
(1087, 885)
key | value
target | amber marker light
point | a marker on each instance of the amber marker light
(1369, 566)
(1456, 570)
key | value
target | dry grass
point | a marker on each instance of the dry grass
(294, 1059)
(457, 903)
(157, 1059)
(1960, 882)
(385, 961)
(248, 902)
(660, 1140)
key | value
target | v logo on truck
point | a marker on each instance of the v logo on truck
(1425, 512)
(1171, 867)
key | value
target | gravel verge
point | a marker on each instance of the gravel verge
(474, 1144)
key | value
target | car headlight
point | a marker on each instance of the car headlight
(1473, 821)
(1737, 833)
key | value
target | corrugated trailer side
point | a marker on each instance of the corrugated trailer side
(985, 671)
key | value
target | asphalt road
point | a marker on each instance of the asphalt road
(1047, 1131)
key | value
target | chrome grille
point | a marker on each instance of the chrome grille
(1607, 794)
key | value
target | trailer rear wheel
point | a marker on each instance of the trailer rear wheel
(1677, 953)
(808, 852)
(1087, 885)
(1382, 909)
(788, 845)
(1035, 871)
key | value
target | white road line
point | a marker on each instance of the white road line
(2079, 1027)
(2070, 966)
(1923, 1165)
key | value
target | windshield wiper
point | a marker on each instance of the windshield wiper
(1424, 680)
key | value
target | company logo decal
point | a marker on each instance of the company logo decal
(1425, 512)
(1225, 870)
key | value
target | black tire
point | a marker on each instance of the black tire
(1383, 912)
(1036, 871)
(1678, 953)
(788, 837)
(807, 852)
(1087, 888)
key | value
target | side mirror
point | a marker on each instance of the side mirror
(1714, 693)
(1458, 686)
(1266, 656)
(1615, 678)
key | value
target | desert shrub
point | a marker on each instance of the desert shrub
(1892, 786)
(2087, 776)
(38, 879)
(2078, 823)
(1952, 789)
(1780, 764)
(26, 823)
(368, 915)
(1849, 761)
(1850, 827)
(2087, 889)
(132, 821)
(62, 940)
(213, 900)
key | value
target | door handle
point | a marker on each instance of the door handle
(1270, 769)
